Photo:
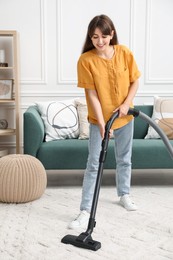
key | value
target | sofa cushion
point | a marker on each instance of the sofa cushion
(73, 153)
(64, 154)
(163, 116)
(70, 154)
(60, 119)
(150, 154)
(83, 118)
(141, 126)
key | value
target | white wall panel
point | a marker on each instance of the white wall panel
(27, 17)
(159, 42)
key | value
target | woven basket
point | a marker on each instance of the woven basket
(22, 178)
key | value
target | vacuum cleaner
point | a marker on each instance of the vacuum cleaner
(84, 240)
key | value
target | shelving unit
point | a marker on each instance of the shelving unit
(9, 81)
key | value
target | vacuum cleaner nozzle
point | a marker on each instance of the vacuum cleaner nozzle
(86, 242)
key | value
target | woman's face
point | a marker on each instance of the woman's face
(100, 41)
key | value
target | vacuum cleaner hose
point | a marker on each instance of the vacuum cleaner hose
(160, 132)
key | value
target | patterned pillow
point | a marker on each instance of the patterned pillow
(163, 116)
(60, 119)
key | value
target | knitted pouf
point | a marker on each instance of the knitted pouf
(22, 178)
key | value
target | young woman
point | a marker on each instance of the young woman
(109, 74)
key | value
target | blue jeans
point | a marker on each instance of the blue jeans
(123, 138)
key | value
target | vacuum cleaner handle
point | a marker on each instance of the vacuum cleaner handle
(108, 126)
(109, 123)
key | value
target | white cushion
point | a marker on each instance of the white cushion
(60, 119)
(83, 120)
(163, 116)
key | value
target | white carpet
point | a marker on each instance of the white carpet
(33, 231)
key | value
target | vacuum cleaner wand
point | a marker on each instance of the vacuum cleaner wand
(84, 240)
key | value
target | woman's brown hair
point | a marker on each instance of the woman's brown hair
(106, 26)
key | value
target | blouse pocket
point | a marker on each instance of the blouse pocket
(123, 79)
(122, 71)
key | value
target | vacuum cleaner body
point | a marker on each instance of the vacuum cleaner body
(84, 240)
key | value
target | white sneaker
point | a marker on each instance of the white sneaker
(81, 220)
(127, 203)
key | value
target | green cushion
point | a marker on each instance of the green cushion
(140, 126)
(151, 154)
(64, 154)
(72, 154)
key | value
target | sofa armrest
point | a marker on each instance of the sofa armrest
(33, 131)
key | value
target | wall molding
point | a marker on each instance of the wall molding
(51, 94)
(132, 26)
(69, 94)
(148, 78)
(60, 79)
(154, 93)
(43, 79)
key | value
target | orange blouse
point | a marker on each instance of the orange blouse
(111, 79)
